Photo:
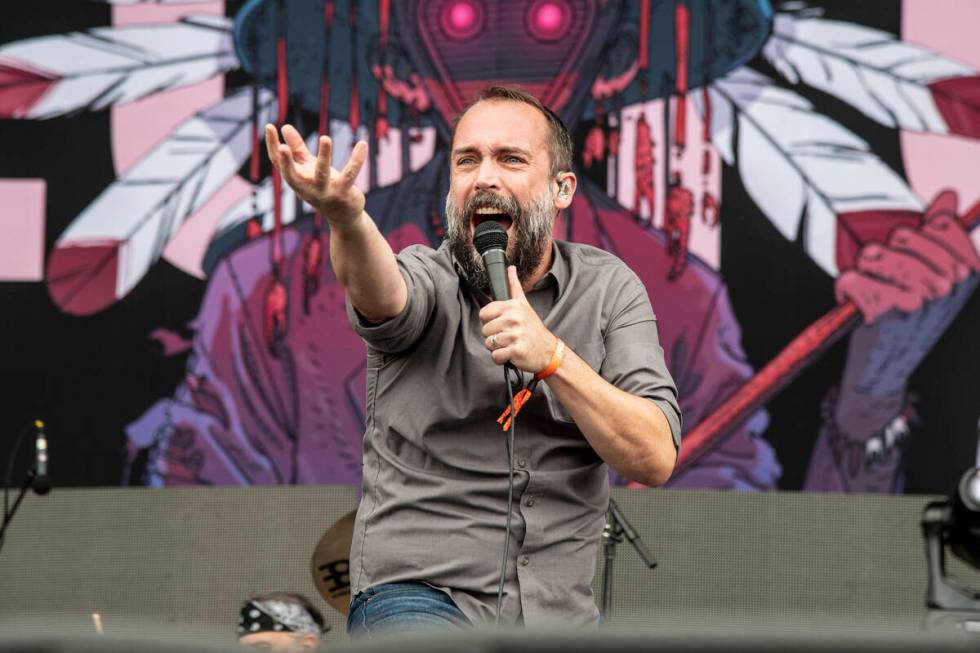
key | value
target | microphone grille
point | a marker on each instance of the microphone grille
(490, 235)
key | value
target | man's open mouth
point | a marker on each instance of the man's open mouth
(483, 214)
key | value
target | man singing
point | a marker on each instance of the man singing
(430, 529)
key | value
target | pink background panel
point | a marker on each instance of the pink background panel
(22, 203)
(932, 162)
(139, 126)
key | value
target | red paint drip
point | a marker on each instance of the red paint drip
(643, 161)
(253, 164)
(277, 212)
(381, 123)
(274, 319)
(282, 87)
(324, 117)
(384, 11)
(282, 80)
(643, 56)
(323, 120)
(681, 47)
(355, 99)
(355, 107)
(677, 225)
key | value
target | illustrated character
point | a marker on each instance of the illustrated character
(274, 388)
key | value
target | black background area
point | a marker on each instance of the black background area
(86, 377)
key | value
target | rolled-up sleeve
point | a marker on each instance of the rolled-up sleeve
(634, 360)
(402, 331)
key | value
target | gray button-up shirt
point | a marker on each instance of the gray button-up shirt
(434, 501)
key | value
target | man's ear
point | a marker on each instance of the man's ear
(567, 183)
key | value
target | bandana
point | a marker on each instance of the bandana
(275, 616)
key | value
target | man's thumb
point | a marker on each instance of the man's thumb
(516, 291)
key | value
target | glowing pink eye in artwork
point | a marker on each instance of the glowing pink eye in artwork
(461, 19)
(549, 20)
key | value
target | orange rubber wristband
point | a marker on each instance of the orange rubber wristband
(554, 363)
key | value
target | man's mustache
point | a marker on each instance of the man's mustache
(489, 200)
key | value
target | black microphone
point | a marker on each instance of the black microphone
(490, 240)
(41, 483)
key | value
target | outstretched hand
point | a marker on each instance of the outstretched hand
(514, 333)
(332, 193)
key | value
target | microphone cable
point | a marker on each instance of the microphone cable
(510, 482)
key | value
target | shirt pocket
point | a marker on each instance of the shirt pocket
(593, 354)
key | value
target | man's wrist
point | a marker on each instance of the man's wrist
(865, 414)
(554, 363)
(342, 226)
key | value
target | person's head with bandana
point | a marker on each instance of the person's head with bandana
(284, 622)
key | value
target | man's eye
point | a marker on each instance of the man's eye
(513, 159)
(466, 160)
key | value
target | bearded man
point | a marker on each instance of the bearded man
(429, 541)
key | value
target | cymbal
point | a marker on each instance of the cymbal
(330, 564)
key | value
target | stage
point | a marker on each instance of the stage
(733, 567)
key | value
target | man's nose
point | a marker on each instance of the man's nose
(487, 177)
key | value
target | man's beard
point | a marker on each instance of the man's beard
(533, 224)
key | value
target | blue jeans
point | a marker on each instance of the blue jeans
(402, 607)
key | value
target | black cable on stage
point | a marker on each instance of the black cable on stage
(510, 481)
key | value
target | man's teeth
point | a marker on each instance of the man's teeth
(488, 211)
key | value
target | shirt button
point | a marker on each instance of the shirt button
(525, 561)
(530, 502)
(521, 462)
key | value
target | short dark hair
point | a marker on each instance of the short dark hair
(295, 598)
(559, 142)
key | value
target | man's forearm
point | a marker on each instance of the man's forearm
(365, 265)
(630, 433)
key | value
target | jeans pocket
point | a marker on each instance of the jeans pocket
(356, 603)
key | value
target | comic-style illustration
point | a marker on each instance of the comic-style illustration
(770, 170)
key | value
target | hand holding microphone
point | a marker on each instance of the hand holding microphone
(490, 240)
(514, 332)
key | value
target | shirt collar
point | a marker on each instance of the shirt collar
(558, 271)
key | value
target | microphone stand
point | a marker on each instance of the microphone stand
(29, 480)
(8, 516)
(617, 527)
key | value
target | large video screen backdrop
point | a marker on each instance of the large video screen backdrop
(170, 311)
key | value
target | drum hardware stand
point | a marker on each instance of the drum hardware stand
(617, 527)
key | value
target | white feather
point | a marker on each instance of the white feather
(113, 65)
(798, 165)
(143, 209)
(261, 205)
(882, 77)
